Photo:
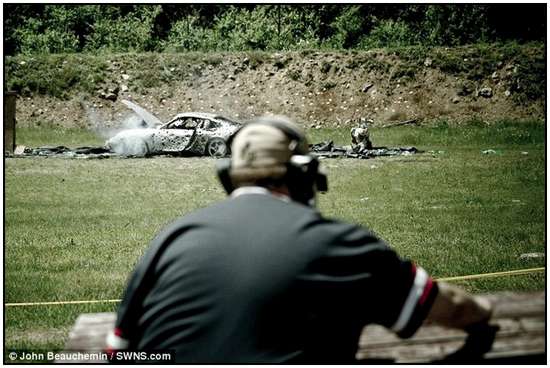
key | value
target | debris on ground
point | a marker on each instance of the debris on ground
(361, 147)
(406, 122)
(65, 152)
(485, 92)
(328, 149)
(361, 144)
(19, 150)
(532, 255)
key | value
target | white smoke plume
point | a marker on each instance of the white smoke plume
(105, 128)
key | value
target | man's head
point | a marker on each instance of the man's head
(273, 152)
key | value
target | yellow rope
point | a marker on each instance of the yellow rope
(61, 303)
(456, 278)
(494, 274)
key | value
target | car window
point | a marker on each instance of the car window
(184, 123)
(176, 124)
(210, 125)
(191, 123)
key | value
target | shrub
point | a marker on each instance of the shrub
(132, 32)
(347, 28)
(388, 33)
(35, 38)
(452, 25)
(188, 35)
(55, 75)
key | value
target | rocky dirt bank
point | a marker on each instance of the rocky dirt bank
(316, 88)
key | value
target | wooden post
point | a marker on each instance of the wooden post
(9, 121)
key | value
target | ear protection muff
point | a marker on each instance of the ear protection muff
(223, 168)
(304, 178)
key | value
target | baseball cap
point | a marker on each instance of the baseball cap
(263, 147)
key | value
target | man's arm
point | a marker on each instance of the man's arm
(453, 307)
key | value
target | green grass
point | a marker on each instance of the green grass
(57, 136)
(74, 229)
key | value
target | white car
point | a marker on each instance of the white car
(191, 132)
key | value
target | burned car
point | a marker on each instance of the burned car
(189, 133)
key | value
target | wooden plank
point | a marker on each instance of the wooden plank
(520, 318)
(432, 343)
(89, 334)
(521, 338)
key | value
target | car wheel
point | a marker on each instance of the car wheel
(216, 147)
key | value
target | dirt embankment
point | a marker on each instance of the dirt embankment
(316, 88)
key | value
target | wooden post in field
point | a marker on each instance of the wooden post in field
(9, 121)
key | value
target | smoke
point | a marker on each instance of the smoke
(128, 121)
(128, 144)
(106, 129)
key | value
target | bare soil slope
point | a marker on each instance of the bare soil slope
(315, 88)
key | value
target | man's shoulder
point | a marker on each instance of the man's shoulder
(233, 210)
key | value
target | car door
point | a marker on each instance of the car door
(176, 135)
(205, 130)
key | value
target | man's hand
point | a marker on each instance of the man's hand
(455, 308)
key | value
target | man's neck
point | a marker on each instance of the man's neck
(279, 192)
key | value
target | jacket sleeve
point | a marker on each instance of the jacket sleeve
(360, 277)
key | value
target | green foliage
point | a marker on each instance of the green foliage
(33, 40)
(347, 28)
(530, 78)
(46, 28)
(189, 35)
(452, 25)
(263, 28)
(132, 32)
(413, 55)
(388, 34)
(55, 75)
(521, 68)
(376, 65)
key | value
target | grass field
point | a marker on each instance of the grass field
(75, 228)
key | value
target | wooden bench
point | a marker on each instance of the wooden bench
(520, 338)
